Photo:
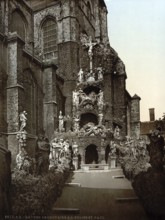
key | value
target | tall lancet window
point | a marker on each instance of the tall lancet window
(49, 29)
(18, 24)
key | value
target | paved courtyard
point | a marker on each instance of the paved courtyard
(98, 195)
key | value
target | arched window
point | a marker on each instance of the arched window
(18, 24)
(49, 29)
(30, 96)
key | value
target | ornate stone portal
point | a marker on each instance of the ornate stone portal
(89, 137)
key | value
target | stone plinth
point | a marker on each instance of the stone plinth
(112, 162)
(85, 167)
(75, 163)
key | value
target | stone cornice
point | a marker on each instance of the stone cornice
(32, 57)
(14, 37)
(50, 102)
(37, 9)
(15, 86)
(48, 65)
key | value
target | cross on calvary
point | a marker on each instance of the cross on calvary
(90, 44)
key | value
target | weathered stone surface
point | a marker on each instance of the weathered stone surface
(42, 85)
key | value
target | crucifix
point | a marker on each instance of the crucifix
(90, 53)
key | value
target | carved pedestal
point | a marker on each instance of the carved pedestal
(112, 162)
(75, 163)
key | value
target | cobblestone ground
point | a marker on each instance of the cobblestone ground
(96, 195)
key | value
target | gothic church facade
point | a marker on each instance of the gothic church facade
(43, 46)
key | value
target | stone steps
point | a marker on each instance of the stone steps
(118, 177)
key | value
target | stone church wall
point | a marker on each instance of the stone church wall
(44, 86)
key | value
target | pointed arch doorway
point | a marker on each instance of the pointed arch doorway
(91, 154)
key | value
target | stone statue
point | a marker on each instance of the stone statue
(76, 123)
(22, 137)
(113, 149)
(75, 149)
(92, 96)
(82, 96)
(90, 44)
(24, 162)
(61, 122)
(100, 73)
(90, 129)
(117, 132)
(80, 76)
(130, 146)
(66, 148)
(61, 148)
(55, 149)
(23, 120)
(100, 118)
(42, 155)
(91, 78)
(20, 158)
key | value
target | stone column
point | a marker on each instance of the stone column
(82, 153)
(102, 152)
(50, 105)
(15, 91)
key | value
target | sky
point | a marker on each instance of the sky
(137, 32)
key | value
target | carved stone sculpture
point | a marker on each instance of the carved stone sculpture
(100, 73)
(92, 96)
(113, 149)
(20, 158)
(24, 162)
(100, 118)
(66, 148)
(55, 149)
(61, 122)
(75, 149)
(117, 132)
(80, 76)
(23, 120)
(76, 123)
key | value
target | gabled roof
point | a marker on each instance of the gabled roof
(136, 97)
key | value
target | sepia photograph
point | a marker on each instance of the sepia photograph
(82, 114)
